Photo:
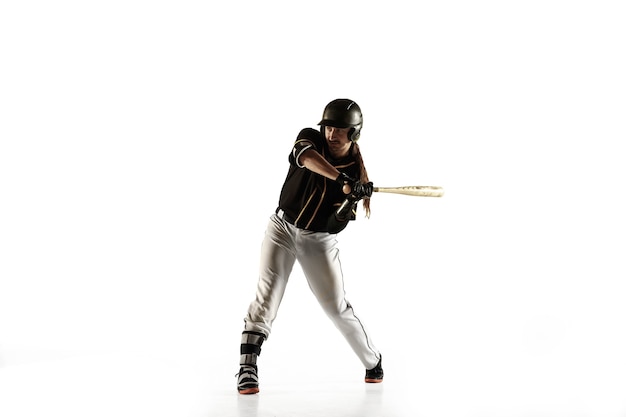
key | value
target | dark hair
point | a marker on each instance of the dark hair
(356, 152)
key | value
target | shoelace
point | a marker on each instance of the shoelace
(243, 370)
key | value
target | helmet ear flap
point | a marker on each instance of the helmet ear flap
(355, 133)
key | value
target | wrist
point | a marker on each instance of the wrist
(342, 178)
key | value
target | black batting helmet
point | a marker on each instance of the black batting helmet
(343, 113)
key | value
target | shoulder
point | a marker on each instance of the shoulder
(310, 133)
(310, 137)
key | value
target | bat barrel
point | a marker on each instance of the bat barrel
(413, 190)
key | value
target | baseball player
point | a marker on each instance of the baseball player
(325, 182)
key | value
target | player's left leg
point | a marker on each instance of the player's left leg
(322, 269)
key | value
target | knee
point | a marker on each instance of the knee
(335, 310)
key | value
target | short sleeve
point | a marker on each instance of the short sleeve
(307, 139)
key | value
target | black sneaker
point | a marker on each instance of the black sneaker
(375, 375)
(247, 380)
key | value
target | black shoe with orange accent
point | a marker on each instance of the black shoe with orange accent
(375, 375)
(247, 380)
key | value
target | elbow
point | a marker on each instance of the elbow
(305, 158)
(335, 225)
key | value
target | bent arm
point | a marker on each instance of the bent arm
(312, 160)
(339, 219)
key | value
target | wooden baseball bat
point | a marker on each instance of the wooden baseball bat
(414, 190)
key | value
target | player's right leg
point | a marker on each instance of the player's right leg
(247, 378)
(277, 260)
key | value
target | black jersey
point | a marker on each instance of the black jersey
(309, 199)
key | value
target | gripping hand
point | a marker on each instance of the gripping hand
(346, 181)
(360, 191)
(355, 189)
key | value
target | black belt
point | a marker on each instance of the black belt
(282, 215)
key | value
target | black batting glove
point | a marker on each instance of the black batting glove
(361, 190)
(357, 190)
(344, 179)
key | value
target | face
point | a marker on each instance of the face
(338, 141)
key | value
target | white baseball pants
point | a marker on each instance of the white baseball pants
(318, 255)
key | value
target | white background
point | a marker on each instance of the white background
(143, 146)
